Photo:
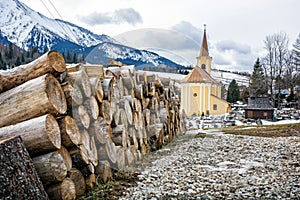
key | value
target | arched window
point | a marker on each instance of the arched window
(203, 66)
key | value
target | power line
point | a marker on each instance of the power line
(56, 10)
(64, 30)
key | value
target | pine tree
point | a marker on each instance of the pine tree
(233, 93)
(258, 85)
(18, 61)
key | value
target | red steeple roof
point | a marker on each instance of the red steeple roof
(204, 46)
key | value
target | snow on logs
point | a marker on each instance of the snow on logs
(79, 122)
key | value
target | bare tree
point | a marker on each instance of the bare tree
(275, 62)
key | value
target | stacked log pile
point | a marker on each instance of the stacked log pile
(85, 121)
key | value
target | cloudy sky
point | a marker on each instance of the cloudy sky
(236, 28)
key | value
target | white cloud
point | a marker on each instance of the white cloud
(126, 15)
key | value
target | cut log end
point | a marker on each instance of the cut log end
(58, 166)
(52, 128)
(57, 61)
(56, 95)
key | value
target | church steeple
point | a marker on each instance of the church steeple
(204, 46)
(204, 60)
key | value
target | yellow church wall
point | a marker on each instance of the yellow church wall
(222, 106)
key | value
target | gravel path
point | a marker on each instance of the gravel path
(223, 166)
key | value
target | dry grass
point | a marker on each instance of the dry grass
(284, 130)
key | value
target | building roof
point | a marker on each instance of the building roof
(198, 75)
(204, 46)
(259, 103)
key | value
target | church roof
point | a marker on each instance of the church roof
(204, 46)
(198, 75)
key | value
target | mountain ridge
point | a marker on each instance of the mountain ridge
(27, 28)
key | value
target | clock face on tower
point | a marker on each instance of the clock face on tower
(203, 66)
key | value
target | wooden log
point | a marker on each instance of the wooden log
(90, 181)
(18, 177)
(124, 104)
(76, 176)
(79, 158)
(32, 99)
(103, 171)
(138, 91)
(107, 86)
(129, 156)
(105, 111)
(50, 62)
(50, 167)
(81, 79)
(94, 71)
(108, 152)
(133, 138)
(97, 89)
(81, 117)
(40, 135)
(66, 156)
(93, 152)
(121, 162)
(123, 119)
(145, 103)
(64, 190)
(121, 87)
(116, 117)
(147, 114)
(92, 107)
(70, 134)
(100, 130)
(119, 135)
(73, 95)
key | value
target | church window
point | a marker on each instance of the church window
(203, 66)
(215, 107)
(195, 94)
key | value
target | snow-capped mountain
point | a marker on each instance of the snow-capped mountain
(107, 50)
(27, 28)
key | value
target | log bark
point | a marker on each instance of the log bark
(18, 177)
(50, 62)
(40, 135)
(103, 171)
(70, 134)
(66, 156)
(73, 95)
(51, 167)
(32, 99)
(76, 176)
(64, 190)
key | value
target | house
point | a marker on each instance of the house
(200, 93)
(259, 108)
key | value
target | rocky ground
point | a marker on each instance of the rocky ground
(221, 166)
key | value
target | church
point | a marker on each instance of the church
(200, 93)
